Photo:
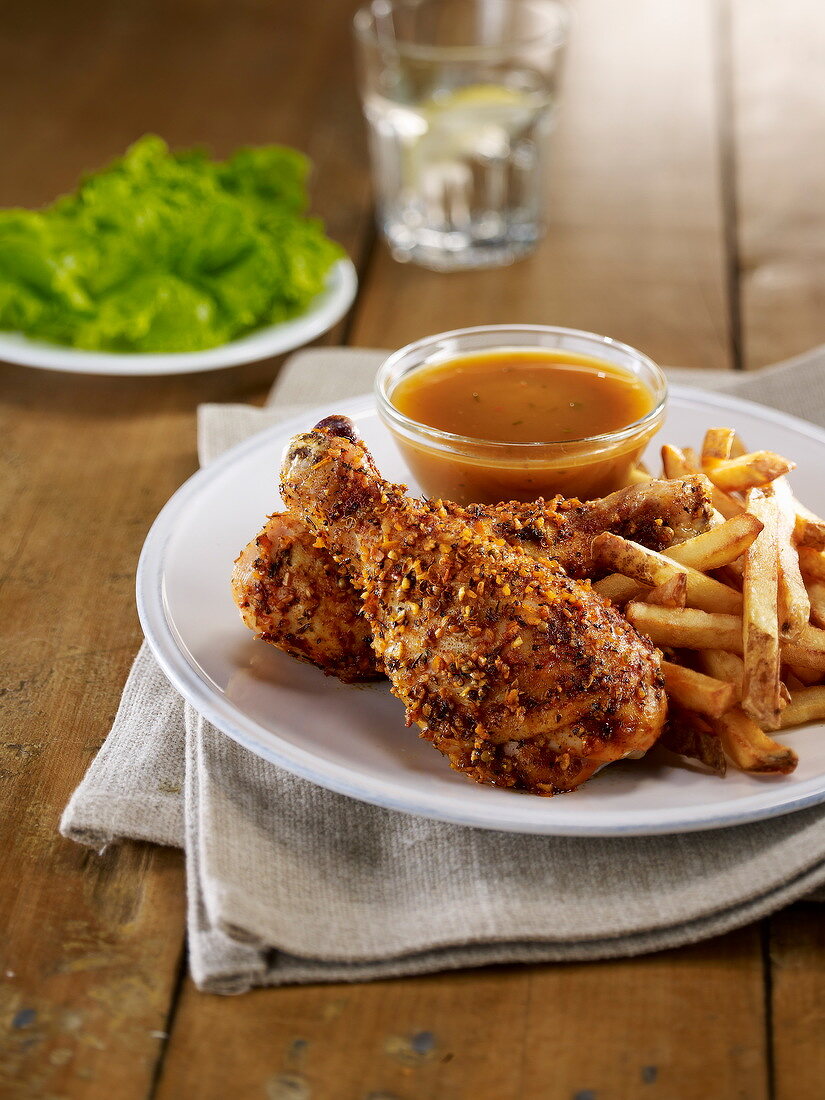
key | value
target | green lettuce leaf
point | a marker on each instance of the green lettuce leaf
(166, 252)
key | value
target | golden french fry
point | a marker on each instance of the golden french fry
(638, 475)
(805, 676)
(676, 464)
(722, 665)
(794, 604)
(809, 528)
(730, 667)
(710, 594)
(807, 705)
(651, 568)
(749, 747)
(799, 656)
(632, 560)
(687, 734)
(808, 533)
(816, 594)
(749, 471)
(763, 541)
(760, 682)
(737, 447)
(696, 691)
(686, 627)
(726, 505)
(690, 628)
(811, 638)
(717, 444)
(618, 589)
(672, 593)
(718, 546)
(805, 650)
(812, 564)
(733, 573)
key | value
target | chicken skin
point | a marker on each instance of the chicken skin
(294, 596)
(656, 514)
(522, 676)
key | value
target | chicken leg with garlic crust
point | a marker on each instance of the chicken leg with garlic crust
(294, 596)
(522, 676)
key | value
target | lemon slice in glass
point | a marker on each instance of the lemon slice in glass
(476, 95)
(476, 120)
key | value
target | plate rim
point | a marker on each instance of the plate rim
(212, 704)
(325, 310)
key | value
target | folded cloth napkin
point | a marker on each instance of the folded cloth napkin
(288, 882)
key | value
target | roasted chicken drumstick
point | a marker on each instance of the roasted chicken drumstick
(522, 676)
(293, 595)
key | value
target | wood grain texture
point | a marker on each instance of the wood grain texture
(84, 935)
(797, 951)
(91, 947)
(654, 1028)
(778, 97)
(635, 246)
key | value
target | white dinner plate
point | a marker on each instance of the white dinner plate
(323, 311)
(353, 739)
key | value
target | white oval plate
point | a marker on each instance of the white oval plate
(353, 739)
(324, 310)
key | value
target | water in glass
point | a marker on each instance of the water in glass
(458, 172)
(459, 96)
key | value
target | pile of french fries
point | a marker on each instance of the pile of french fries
(738, 610)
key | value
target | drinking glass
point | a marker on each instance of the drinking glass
(459, 97)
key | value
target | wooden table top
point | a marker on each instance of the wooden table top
(687, 218)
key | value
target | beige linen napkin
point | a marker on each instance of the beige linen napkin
(288, 882)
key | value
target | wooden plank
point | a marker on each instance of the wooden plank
(653, 1027)
(778, 53)
(797, 949)
(91, 946)
(635, 245)
(89, 959)
(82, 935)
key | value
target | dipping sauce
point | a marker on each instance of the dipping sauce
(528, 417)
(523, 397)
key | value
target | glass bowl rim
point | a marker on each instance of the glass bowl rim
(437, 435)
(422, 51)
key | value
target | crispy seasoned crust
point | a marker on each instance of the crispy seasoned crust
(656, 514)
(522, 676)
(299, 600)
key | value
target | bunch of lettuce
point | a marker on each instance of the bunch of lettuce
(166, 252)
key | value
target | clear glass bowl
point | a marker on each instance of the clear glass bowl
(467, 470)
